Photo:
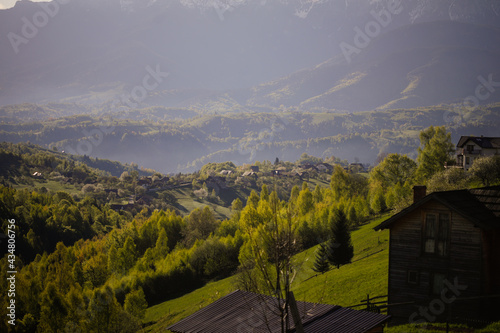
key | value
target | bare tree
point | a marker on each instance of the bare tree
(267, 265)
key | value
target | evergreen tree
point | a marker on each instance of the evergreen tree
(340, 249)
(236, 205)
(264, 193)
(305, 201)
(321, 265)
(294, 194)
(253, 199)
(127, 255)
(54, 309)
(135, 303)
(161, 248)
(317, 195)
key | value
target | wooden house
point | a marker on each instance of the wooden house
(255, 168)
(444, 255)
(324, 167)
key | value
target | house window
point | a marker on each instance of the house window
(437, 284)
(412, 277)
(470, 148)
(436, 233)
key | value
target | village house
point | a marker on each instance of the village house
(216, 183)
(308, 166)
(145, 182)
(444, 255)
(324, 167)
(226, 172)
(249, 174)
(357, 167)
(300, 173)
(470, 148)
(243, 311)
(255, 168)
(278, 172)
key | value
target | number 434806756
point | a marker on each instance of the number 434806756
(11, 233)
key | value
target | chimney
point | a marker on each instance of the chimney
(419, 192)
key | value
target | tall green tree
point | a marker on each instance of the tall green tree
(267, 256)
(434, 152)
(321, 264)
(305, 201)
(340, 250)
(200, 224)
(54, 309)
(348, 185)
(487, 169)
(127, 255)
(264, 193)
(394, 169)
(253, 199)
(317, 195)
(135, 303)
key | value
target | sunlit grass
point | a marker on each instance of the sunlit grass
(345, 286)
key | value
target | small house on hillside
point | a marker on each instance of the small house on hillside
(216, 183)
(242, 311)
(226, 172)
(308, 166)
(249, 174)
(444, 255)
(471, 147)
(324, 167)
(357, 167)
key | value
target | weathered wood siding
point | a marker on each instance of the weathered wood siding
(463, 265)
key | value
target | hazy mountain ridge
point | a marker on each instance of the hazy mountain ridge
(91, 52)
(398, 70)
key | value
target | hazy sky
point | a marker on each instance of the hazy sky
(10, 3)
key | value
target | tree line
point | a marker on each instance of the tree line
(116, 264)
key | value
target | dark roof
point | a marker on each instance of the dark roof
(241, 310)
(481, 141)
(481, 206)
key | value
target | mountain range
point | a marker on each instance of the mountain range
(250, 53)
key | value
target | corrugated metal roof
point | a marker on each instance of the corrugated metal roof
(242, 311)
(346, 321)
(481, 206)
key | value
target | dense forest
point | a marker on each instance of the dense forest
(84, 266)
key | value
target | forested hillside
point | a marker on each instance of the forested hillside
(122, 261)
(239, 137)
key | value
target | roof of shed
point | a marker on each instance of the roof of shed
(241, 310)
(481, 206)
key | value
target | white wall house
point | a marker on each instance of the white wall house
(470, 148)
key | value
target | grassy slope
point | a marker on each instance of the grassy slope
(345, 286)
(52, 185)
